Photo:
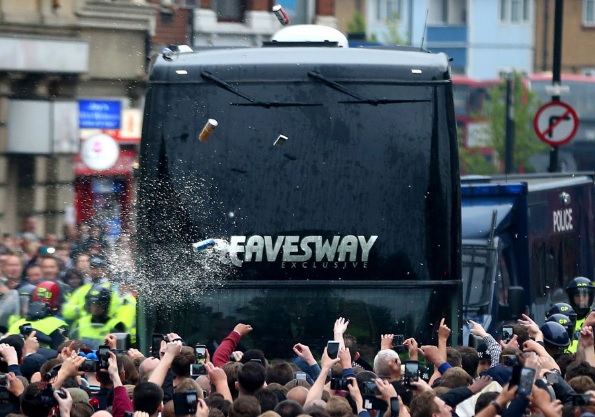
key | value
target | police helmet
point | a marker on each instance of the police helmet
(47, 292)
(580, 285)
(99, 294)
(562, 308)
(564, 321)
(97, 261)
(554, 334)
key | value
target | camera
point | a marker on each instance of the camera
(551, 377)
(25, 329)
(185, 403)
(339, 384)
(128, 414)
(579, 400)
(46, 396)
(89, 365)
(52, 373)
(370, 388)
(507, 333)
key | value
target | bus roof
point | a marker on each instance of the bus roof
(282, 63)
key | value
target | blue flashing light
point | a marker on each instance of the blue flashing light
(482, 190)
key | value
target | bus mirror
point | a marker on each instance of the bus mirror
(516, 301)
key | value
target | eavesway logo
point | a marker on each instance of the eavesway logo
(348, 251)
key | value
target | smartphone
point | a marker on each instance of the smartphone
(332, 349)
(526, 381)
(515, 377)
(370, 388)
(200, 351)
(506, 334)
(510, 360)
(197, 369)
(89, 365)
(579, 400)
(156, 344)
(411, 371)
(185, 403)
(551, 378)
(103, 356)
(398, 340)
(300, 375)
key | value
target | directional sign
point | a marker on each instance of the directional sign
(555, 123)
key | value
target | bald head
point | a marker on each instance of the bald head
(147, 367)
(101, 413)
(298, 394)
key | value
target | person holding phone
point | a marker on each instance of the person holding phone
(230, 344)
(121, 403)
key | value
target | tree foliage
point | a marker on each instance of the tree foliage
(525, 103)
(357, 23)
(392, 31)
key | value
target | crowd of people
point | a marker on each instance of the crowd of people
(80, 288)
(68, 326)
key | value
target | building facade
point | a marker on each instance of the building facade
(55, 54)
(483, 37)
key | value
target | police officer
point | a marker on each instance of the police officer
(555, 338)
(43, 317)
(92, 327)
(580, 293)
(564, 314)
(74, 308)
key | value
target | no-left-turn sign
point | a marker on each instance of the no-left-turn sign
(555, 123)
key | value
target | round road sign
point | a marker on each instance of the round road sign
(555, 123)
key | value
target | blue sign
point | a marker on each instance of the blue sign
(99, 114)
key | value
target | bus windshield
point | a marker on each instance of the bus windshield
(330, 187)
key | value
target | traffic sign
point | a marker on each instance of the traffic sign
(555, 123)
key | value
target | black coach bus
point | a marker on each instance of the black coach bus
(330, 186)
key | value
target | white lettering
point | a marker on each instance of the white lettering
(296, 249)
(563, 220)
(348, 246)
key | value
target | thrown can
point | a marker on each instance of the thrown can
(280, 140)
(281, 15)
(207, 130)
(203, 245)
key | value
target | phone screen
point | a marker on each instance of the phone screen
(526, 381)
(156, 345)
(201, 353)
(411, 370)
(507, 334)
(103, 356)
(398, 340)
(332, 349)
(185, 403)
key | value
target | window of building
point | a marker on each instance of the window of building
(229, 10)
(589, 12)
(388, 9)
(514, 11)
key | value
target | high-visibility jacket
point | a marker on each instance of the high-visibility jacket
(51, 331)
(577, 334)
(93, 334)
(74, 308)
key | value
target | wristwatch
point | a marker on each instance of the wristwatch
(497, 406)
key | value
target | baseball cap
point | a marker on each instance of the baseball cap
(482, 352)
